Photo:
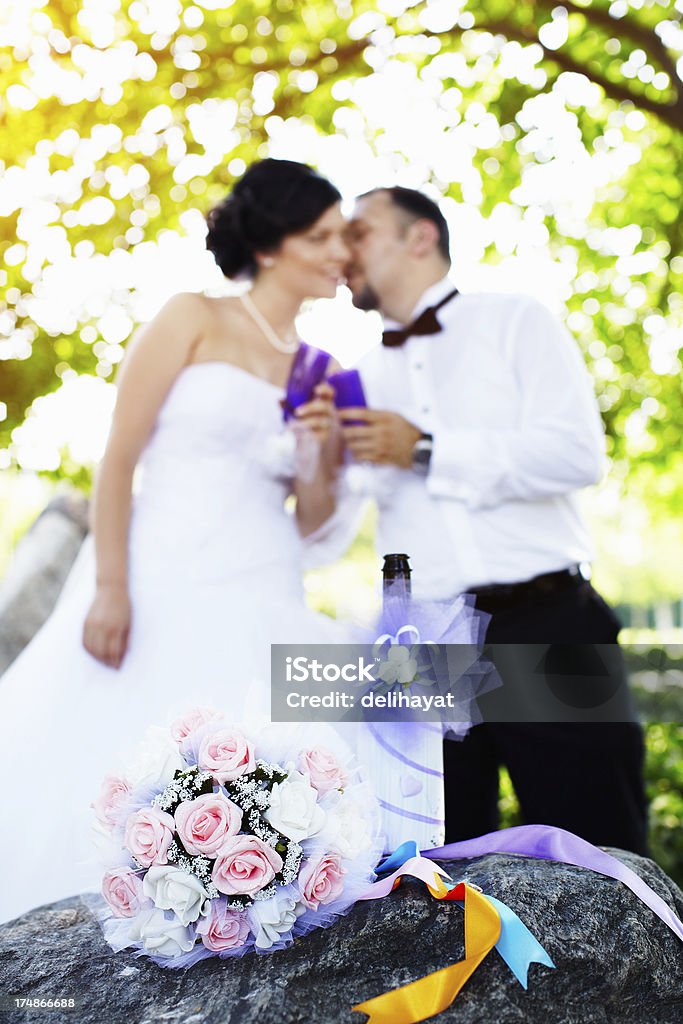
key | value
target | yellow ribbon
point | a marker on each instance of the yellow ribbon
(430, 995)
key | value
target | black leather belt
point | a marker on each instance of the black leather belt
(509, 594)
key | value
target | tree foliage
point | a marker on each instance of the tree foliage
(105, 110)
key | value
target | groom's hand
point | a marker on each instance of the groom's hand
(382, 437)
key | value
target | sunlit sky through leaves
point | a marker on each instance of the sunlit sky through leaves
(396, 125)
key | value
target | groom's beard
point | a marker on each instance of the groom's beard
(366, 299)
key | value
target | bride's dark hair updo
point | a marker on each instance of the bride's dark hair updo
(273, 199)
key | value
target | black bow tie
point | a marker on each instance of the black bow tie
(426, 323)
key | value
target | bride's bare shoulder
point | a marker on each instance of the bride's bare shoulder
(223, 307)
(186, 306)
(200, 319)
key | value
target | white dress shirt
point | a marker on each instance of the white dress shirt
(505, 393)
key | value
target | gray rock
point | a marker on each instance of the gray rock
(616, 962)
(37, 572)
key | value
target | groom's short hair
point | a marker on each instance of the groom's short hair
(420, 207)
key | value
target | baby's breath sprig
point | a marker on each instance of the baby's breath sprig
(186, 785)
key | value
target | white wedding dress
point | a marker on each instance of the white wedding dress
(215, 569)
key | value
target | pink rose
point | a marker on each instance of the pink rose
(223, 928)
(203, 824)
(323, 769)
(148, 835)
(227, 754)
(321, 880)
(114, 792)
(122, 889)
(245, 865)
(187, 723)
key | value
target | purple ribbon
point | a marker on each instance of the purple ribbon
(546, 842)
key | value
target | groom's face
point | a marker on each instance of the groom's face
(377, 241)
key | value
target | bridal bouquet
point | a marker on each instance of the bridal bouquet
(233, 843)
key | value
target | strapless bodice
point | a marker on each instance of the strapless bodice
(214, 477)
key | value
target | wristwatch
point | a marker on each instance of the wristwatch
(422, 454)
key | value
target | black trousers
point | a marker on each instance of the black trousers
(586, 777)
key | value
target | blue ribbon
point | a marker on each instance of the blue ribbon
(516, 945)
(398, 858)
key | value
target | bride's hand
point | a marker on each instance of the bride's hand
(319, 416)
(107, 625)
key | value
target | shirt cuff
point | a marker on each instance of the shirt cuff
(450, 465)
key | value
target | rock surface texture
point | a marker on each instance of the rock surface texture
(616, 962)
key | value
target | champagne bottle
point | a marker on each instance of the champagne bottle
(396, 588)
(403, 758)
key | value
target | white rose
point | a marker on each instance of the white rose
(160, 936)
(157, 759)
(347, 830)
(294, 808)
(270, 919)
(172, 889)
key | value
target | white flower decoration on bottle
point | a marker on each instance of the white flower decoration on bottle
(400, 661)
(399, 666)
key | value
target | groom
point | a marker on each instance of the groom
(483, 421)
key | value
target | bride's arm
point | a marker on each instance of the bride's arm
(152, 362)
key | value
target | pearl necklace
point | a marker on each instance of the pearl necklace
(266, 329)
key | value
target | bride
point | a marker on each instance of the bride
(194, 567)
